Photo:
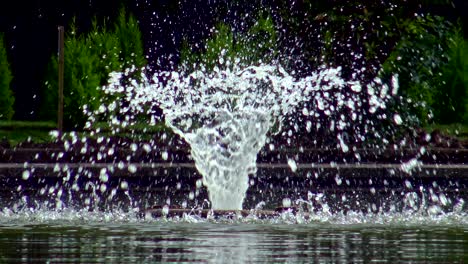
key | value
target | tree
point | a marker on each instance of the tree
(129, 36)
(6, 95)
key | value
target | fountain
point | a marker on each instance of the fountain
(239, 119)
(225, 115)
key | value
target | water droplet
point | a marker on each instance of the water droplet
(26, 174)
(198, 183)
(132, 168)
(397, 119)
(338, 180)
(286, 202)
(165, 210)
(292, 164)
(191, 195)
(164, 155)
(408, 184)
(54, 133)
(103, 176)
(133, 147)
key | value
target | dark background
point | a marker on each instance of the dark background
(30, 29)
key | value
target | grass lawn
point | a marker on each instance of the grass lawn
(20, 131)
(16, 132)
(459, 131)
(38, 131)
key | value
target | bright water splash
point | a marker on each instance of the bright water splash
(225, 115)
(415, 210)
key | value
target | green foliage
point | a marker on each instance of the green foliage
(105, 48)
(451, 105)
(225, 47)
(430, 60)
(6, 95)
(220, 45)
(89, 58)
(128, 33)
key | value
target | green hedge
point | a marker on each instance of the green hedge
(7, 99)
(89, 58)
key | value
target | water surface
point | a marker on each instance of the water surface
(123, 241)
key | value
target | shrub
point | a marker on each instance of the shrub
(6, 95)
(89, 58)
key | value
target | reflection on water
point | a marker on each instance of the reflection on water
(231, 243)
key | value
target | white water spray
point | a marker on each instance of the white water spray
(225, 115)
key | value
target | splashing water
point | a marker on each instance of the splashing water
(225, 115)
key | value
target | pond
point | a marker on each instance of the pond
(77, 241)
